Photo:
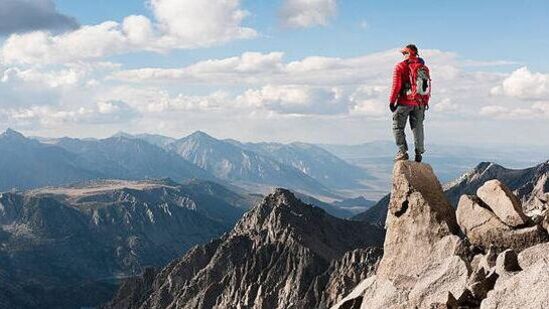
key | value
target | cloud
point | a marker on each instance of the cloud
(311, 96)
(369, 101)
(445, 105)
(307, 13)
(105, 112)
(19, 16)
(270, 68)
(524, 84)
(71, 74)
(537, 110)
(296, 99)
(178, 24)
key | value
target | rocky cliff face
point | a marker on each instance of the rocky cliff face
(66, 247)
(281, 254)
(491, 255)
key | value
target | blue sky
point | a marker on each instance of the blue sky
(481, 30)
(310, 70)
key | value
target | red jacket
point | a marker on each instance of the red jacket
(401, 76)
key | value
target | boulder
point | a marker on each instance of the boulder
(503, 203)
(447, 276)
(507, 261)
(525, 289)
(419, 217)
(374, 293)
(532, 255)
(484, 228)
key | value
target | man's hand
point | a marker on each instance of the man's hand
(392, 107)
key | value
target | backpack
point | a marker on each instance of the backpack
(420, 83)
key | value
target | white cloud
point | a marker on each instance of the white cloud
(307, 13)
(369, 101)
(296, 99)
(445, 105)
(107, 112)
(157, 100)
(538, 110)
(179, 24)
(524, 84)
(188, 23)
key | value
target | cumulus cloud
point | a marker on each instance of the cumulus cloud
(17, 16)
(270, 68)
(307, 13)
(296, 99)
(178, 24)
(104, 112)
(305, 86)
(524, 84)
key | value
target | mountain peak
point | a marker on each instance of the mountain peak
(123, 134)
(12, 134)
(201, 134)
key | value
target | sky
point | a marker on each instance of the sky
(286, 70)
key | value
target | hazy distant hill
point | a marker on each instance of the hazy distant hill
(316, 162)
(228, 161)
(27, 163)
(131, 158)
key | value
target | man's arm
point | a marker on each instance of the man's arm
(397, 84)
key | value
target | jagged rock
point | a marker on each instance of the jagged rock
(485, 261)
(507, 261)
(465, 300)
(481, 282)
(373, 293)
(483, 228)
(277, 256)
(419, 217)
(532, 255)
(345, 273)
(526, 289)
(503, 203)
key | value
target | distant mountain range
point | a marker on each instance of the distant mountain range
(27, 163)
(66, 247)
(255, 167)
(328, 173)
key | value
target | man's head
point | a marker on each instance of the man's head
(409, 51)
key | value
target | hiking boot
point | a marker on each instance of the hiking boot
(418, 157)
(400, 156)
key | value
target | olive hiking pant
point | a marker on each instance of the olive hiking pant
(400, 117)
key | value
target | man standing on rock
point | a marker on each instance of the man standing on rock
(409, 99)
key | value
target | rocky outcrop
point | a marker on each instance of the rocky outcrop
(496, 219)
(419, 217)
(429, 263)
(424, 261)
(344, 273)
(523, 289)
(281, 254)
